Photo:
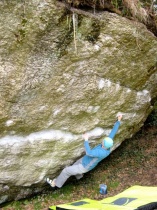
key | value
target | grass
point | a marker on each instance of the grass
(131, 164)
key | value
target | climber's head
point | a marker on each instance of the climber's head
(107, 142)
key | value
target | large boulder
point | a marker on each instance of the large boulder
(63, 74)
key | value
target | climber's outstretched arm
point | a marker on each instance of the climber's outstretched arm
(115, 127)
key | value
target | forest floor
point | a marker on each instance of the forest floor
(133, 163)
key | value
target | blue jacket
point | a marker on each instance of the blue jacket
(98, 153)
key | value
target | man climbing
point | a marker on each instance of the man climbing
(88, 161)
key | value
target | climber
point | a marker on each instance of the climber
(88, 161)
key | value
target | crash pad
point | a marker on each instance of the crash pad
(134, 198)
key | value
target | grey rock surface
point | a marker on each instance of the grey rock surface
(63, 74)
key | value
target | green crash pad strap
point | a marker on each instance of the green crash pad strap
(77, 203)
(121, 201)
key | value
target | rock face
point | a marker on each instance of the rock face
(63, 74)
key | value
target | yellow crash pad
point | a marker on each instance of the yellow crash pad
(134, 198)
